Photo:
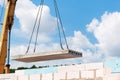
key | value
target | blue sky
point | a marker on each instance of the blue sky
(76, 14)
(91, 27)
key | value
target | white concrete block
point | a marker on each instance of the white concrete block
(35, 77)
(72, 75)
(19, 72)
(46, 76)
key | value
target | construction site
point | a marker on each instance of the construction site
(90, 71)
(83, 71)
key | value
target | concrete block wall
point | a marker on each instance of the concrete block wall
(8, 77)
(82, 71)
(89, 66)
(113, 76)
(93, 71)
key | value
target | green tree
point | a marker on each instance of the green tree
(20, 68)
(33, 67)
(12, 70)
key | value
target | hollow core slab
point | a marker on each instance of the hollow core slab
(44, 56)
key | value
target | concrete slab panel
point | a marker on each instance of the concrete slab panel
(44, 56)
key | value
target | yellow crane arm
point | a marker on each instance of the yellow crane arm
(7, 25)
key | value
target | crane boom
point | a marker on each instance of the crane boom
(7, 25)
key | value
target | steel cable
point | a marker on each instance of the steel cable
(39, 24)
(58, 27)
(39, 9)
(58, 14)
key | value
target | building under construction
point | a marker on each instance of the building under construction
(90, 71)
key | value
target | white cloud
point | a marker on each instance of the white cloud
(26, 12)
(16, 50)
(107, 33)
(1, 2)
(89, 56)
(79, 41)
(92, 25)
